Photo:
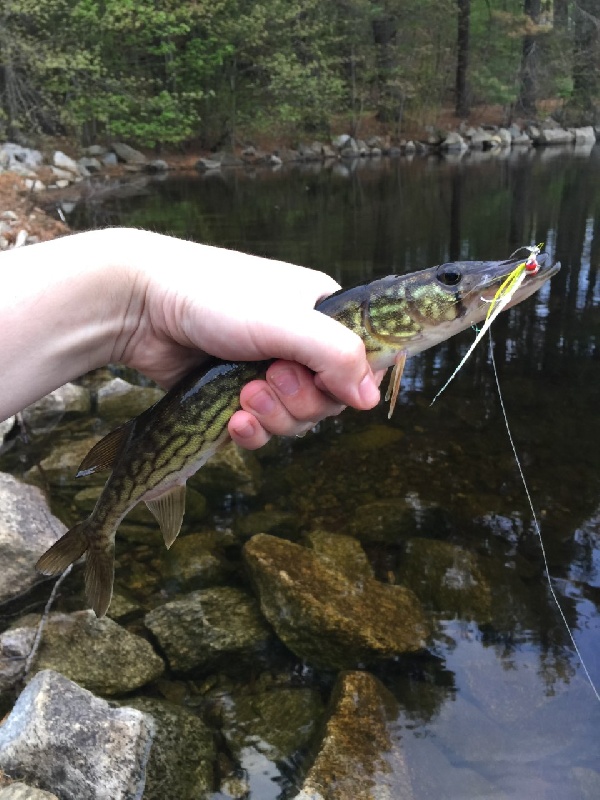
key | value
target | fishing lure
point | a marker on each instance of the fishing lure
(501, 299)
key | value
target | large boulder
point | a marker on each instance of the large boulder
(327, 617)
(14, 155)
(128, 154)
(65, 162)
(209, 628)
(27, 529)
(63, 739)
(98, 654)
(584, 136)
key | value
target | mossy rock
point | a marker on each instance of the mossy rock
(98, 654)
(360, 757)
(59, 468)
(196, 561)
(119, 400)
(341, 552)
(181, 762)
(325, 617)
(276, 722)
(209, 629)
(232, 470)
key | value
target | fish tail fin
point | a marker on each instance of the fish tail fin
(99, 565)
(65, 551)
(99, 576)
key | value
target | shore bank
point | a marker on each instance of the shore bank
(33, 183)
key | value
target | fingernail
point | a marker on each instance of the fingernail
(261, 402)
(368, 391)
(245, 431)
(285, 380)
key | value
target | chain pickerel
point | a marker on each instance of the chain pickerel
(152, 456)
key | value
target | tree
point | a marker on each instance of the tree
(526, 101)
(586, 61)
(462, 100)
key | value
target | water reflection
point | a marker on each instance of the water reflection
(499, 705)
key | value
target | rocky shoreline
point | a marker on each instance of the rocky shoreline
(29, 177)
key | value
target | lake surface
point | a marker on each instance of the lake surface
(499, 707)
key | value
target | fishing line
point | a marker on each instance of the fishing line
(537, 527)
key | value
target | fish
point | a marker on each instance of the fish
(152, 456)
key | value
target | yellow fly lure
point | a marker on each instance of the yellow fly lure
(500, 300)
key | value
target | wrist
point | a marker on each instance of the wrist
(62, 310)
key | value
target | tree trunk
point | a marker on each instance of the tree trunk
(561, 15)
(586, 60)
(526, 102)
(462, 59)
(390, 97)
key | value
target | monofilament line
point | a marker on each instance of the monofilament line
(537, 527)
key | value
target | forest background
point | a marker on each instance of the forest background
(215, 72)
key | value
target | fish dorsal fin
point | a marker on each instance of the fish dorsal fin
(168, 510)
(105, 452)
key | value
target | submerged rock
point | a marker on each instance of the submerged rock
(181, 762)
(68, 400)
(98, 654)
(195, 506)
(266, 729)
(196, 561)
(323, 616)
(27, 529)
(60, 467)
(230, 470)
(62, 738)
(341, 552)
(209, 628)
(360, 757)
(447, 578)
(275, 722)
(281, 523)
(385, 520)
(120, 400)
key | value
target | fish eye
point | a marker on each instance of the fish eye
(449, 275)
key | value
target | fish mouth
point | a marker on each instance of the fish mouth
(531, 283)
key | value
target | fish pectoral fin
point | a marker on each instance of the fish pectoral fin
(395, 380)
(105, 452)
(168, 509)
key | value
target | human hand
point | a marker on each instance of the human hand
(242, 307)
(160, 304)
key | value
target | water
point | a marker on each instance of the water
(499, 707)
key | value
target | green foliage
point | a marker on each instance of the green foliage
(163, 72)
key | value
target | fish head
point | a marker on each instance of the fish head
(410, 313)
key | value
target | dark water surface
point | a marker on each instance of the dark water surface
(501, 707)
